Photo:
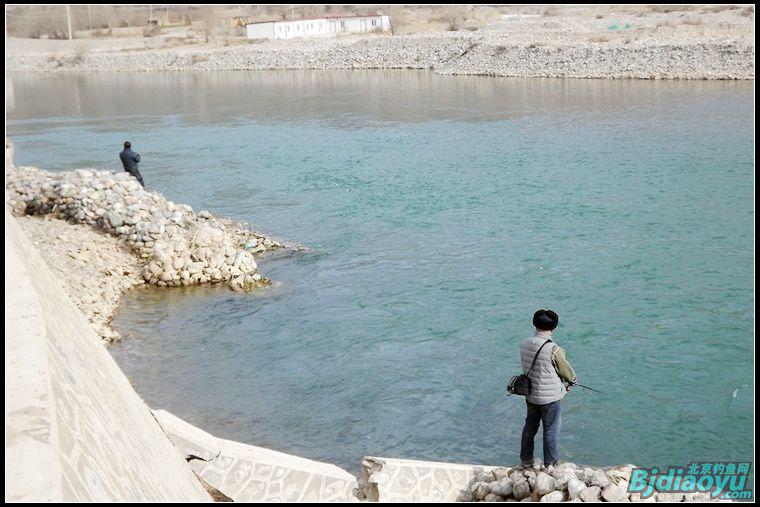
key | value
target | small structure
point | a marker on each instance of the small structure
(328, 26)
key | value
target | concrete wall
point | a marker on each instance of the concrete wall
(75, 430)
(406, 480)
(260, 30)
(246, 473)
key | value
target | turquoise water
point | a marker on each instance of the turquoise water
(439, 212)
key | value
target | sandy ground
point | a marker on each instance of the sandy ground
(91, 266)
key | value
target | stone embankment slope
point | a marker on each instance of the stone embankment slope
(75, 430)
(245, 473)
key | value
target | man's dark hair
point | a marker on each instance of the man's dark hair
(127, 144)
(545, 320)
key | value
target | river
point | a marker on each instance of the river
(438, 213)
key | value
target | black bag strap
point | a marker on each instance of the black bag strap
(536, 357)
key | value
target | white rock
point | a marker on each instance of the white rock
(481, 490)
(590, 494)
(670, 497)
(636, 497)
(554, 496)
(502, 487)
(697, 497)
(613, 493)
(544, 484)
(595, 477)
(574, 487)
(521, 489)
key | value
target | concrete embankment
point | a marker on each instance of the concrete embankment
(253, 474)
(75, 430)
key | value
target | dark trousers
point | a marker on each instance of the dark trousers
(136, 174)
(549, 416)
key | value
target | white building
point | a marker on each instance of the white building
(317, 27)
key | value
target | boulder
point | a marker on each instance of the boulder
(480, 491)
(554, 496)
(521, 489)
(544, 484)
(591, 494)
(574, 487)
(595, 477)
(502, 487)
(613, 493)
(500, 473)
(622, 472)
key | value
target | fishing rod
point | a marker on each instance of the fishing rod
(587, 387)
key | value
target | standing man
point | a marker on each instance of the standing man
(551, 377)
(130, 159)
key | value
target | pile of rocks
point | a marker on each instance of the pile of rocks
(563, 483)
(174, 245)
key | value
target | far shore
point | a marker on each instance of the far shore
(691, 44)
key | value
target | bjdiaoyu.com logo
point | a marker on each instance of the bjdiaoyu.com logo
(726, 481)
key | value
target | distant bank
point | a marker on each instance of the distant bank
(471, 54)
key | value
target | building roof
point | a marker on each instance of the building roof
(313, 19)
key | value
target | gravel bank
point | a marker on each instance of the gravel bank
(627, 44)
(470, 54)
(92, 267)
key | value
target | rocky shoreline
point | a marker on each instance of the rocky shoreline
(470, 54)
(605, 42)
(564, 483)
(104, 234)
